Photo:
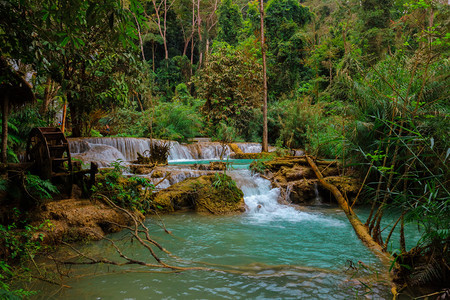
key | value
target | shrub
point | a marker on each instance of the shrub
(127, 192)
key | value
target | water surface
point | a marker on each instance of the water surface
(272, 251)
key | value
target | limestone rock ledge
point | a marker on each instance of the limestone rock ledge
(298, 183)
(81, 219)
(214, 194)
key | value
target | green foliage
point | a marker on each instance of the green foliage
(182, 95)
(376, 18)
(171, 73)
(20, 124)
(29, 189)
(19, 243)
(86, 47)
(176, 121)
(230, 83)
(39, 189)
(283, 21)
(225, 185)
(304, 125)
(225, 133)
(127, 192)
(128, 122)
(229, 22)
(258, 166)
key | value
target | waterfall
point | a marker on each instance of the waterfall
(127, 146)
(262, 202)
(250, 147)
(317, 198)
(179, 152)
(104, 155)
(287, 198)
(130, 146)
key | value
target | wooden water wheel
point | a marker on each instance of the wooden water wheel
(48, 149)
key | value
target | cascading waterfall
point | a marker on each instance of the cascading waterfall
(104, 155)
(250, 147)
(179, 152)
(127, 146)
(130, 146)
(263, 206)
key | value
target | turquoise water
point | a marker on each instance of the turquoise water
(271, 251)
(235, 164)
(304, 257)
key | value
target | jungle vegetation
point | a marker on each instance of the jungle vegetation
(365, 82)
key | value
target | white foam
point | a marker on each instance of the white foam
(263, 207)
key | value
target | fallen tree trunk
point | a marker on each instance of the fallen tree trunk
(360, 229)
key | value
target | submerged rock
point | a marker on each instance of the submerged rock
(215, 194)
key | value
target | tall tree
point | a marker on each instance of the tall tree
(230, 82)
(265, 143)
(86, 47)
(161, 10)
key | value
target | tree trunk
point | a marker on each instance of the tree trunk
(46, 100)
(265, 143)
(199, 29)
(166, 50)
(5, 111)
(75, 117)
(360, 229)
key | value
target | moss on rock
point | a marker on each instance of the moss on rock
(215, 194)
(80, 219)
(254, 155)
(295, 176)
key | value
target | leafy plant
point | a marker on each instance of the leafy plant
(127, 192)
(18, 244)
(258, 166)
(38, 188)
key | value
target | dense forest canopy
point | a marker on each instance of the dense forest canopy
(363, 81)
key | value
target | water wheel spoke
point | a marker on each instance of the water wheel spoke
(49, 149)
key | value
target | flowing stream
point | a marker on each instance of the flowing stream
(272, 251)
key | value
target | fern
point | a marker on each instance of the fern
(426, 273)
(3, 184)
(38, 188)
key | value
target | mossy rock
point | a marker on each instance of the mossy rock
(215, 194)
(157, 174)
(277, 163)
(141, 169)
(217, 166)
(345, 184)
(235, 148)
(254, 155)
